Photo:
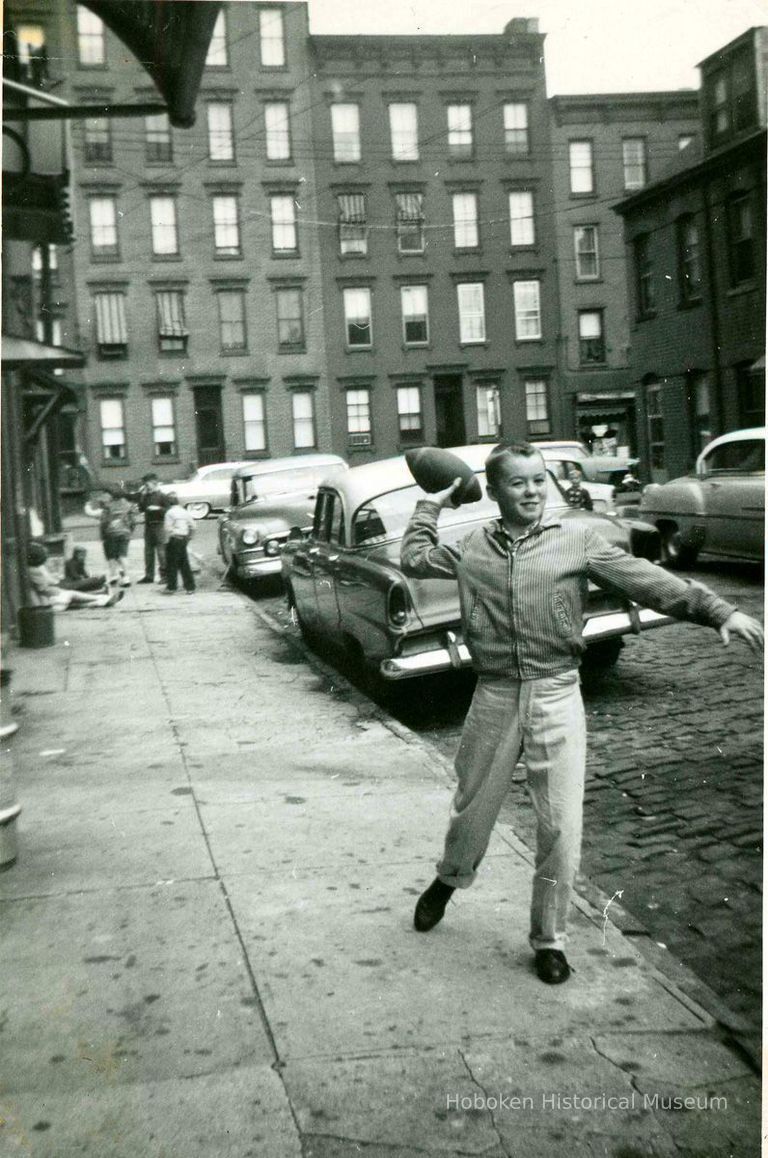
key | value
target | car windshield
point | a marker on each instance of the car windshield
(262, 486)
(386, 516)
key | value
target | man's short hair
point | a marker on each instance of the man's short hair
(151, 477)
(171, 496)
(36, 555)
(502, 451)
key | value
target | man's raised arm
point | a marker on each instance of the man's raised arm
(422, 555)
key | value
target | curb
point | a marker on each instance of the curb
(676, 977)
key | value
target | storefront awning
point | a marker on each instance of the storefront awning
(24, 353)
(170, 38)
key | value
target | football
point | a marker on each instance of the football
(435, 469)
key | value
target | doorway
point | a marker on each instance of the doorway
(209, 426)
(449, 411)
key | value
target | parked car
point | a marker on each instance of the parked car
(207, 490)
(616, 469)
(267, 499)
(345, 582)
(720, 508)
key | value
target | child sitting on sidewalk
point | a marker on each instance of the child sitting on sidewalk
(76, 577)
(46, 592)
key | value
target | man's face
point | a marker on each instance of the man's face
(152, 485)
(521, 491)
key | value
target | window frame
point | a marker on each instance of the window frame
(220, 141)
(94, 37)
(249, 422)
(409, 226)
(297, 418)
(466, 316)
(113, 459)
(218, 44)
(689, 263)
(232, 294)
(403, 397)
(487, 398)
(524, 224)
(227, 225)
(277, 140)
(109, 251)
(592, 348)
(741, 244)
(628, 163)
(580, 254)
(290, 345)
(654, 413)
(172, 343)
(537, 408)
(158, 228)
(289, 224)
(525, 315)
(351, 319)
(471, 223)
(159, 455)
(353, 234)
(404, 142)
(645, 284)
(114, 304)
(413, 318)
(158, 141)
(98, 150)
(461, 138)
(345, 140)
(276, 17)
(362, 416)
(573, 168)
(512, 138)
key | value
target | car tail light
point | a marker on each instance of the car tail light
(397, 604)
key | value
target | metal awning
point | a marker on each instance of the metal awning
(170, 38)
(24, 353)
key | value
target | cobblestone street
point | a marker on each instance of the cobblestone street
(673, 819)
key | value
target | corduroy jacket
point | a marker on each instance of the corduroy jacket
(522, 601)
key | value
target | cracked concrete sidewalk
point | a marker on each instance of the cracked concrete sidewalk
(207, 948)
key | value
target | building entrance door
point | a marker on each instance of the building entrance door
(209, 425)
(449, 411)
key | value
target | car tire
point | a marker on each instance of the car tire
(198, 510)
(307, 634)
(675, 552)
(601, 656)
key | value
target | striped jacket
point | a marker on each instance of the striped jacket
(522, 601)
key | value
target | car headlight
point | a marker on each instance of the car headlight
(272, 547)
(250, 538)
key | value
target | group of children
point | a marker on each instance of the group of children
(116, 512)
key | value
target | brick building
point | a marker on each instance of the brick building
(602, 147)
(696, 260)
(196, 262)
(432, 162)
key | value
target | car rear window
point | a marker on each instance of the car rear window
(746, 456)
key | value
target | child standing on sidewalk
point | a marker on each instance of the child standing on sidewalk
(117, 520)
(179, 528)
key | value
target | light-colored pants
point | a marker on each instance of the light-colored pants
(544, 720)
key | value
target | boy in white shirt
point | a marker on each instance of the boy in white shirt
(179, 528)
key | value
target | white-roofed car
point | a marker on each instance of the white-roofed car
(207, 490)
(268, 498)
(719, 508)
(345, 583)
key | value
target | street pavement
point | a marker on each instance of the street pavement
(207, 945)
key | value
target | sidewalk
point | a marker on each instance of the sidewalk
(207, 948)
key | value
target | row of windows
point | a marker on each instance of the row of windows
(92, 46)
(164, 227)
(162, 420)
(741, 238)
(409, 226)
(407, 400)
(111, 325)
(634, 159)
(111, 328)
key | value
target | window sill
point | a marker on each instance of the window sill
(299, 349)
(467, 250)
(105, 258)
(222, 163)
(171, 460)
(353, 256)
(411, 253)
(359, 349)
(591, 196)
(690, 303)
(227, 256)
(233, 353)
(172, 353)
(594, 366)
(745, 287)
(119, 463)
(529, 341)
(476, 345)
(166, 257)
(588, 280)
(405, 346)
(285, 255)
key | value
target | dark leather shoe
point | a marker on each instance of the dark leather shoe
(551, 966)
(146, 579)
(430, 907)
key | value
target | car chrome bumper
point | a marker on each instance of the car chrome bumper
(253, 568)
(456, 655)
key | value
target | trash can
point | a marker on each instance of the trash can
(36, 627)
